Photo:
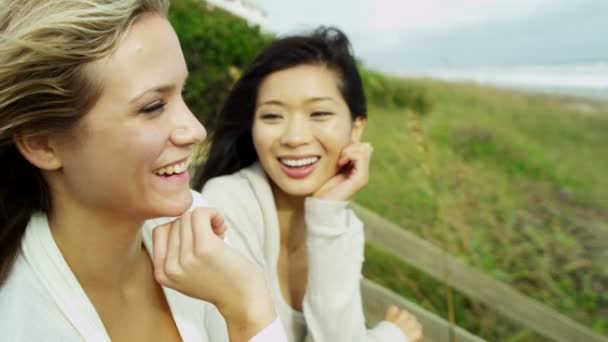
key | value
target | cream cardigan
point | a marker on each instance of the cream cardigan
(43, 301)
(332, 308)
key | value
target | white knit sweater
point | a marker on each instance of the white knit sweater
(332, 308)
(43, 301)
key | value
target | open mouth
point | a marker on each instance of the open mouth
(298, 162)
(173, 170)
(298, 168)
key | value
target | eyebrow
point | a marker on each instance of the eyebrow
(312, 99)
(317, 99)
(160, 89)
(271, 102)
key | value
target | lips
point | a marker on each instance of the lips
(298, 162)
(298, 167)
(173, 169)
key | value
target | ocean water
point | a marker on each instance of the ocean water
(588, 80)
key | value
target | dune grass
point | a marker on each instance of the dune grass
(514, 184)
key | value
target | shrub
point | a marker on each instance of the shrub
(215, 43)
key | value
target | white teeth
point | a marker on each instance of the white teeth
(173, 169)
(299, 162)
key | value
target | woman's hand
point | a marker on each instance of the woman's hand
(407, 322)
(352, 175)
(190, 256)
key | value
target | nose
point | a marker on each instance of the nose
(296, 132)
(187, 129)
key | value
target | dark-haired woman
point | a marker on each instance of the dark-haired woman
(285, 159)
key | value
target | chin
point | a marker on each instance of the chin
(301, 193)
(176, 206)
(297, 190)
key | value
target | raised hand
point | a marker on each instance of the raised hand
(407, 322)
(190, 256)
(352, 173)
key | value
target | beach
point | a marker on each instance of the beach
(583, 80)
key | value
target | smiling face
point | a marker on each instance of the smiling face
(128, 154)
(300, 127)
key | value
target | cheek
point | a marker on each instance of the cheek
(255, 137)
(334, 137)
(146, 145)
(262, 140)
(127, 150)
(144, 139)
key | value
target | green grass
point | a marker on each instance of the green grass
(514, 184)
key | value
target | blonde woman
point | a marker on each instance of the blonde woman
(94, 143)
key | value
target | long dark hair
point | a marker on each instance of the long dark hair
(44, 49)
(231, 147)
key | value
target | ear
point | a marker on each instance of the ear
(358, 127)
(38, 149)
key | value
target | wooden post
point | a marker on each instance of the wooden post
(497, 295)
(377, 298)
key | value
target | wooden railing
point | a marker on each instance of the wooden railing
(496, 295)
(435, 329)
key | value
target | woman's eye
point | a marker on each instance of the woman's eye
(153, 107)
(270, 116)
(320, 114)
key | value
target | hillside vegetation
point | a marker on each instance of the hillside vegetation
(513, 184)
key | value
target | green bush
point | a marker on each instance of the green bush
(214, 42)
(218, 45)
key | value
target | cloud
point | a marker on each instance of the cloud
(402, 34)
(394, 15)
(435, 15)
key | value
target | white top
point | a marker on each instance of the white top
(42, 300)
(332, 308)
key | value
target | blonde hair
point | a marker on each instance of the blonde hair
(45, 46)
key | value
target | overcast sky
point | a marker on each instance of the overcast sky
(402, 35)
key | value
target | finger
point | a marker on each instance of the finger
(362, 146)
(405, 316)
(218, 225)
(391, 313)
(416, 332)
(346, 153)
(344, 159)
(160, 237)
(186, 239)
(172, 260)
(359, 166)
(202, 232)
(221, 232)
(403, 320)
(361, 151)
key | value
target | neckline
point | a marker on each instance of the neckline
(263, 191)
(56, 277)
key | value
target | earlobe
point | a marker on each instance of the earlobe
(358, 128)
(38, 150)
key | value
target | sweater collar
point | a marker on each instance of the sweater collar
(47, 263)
